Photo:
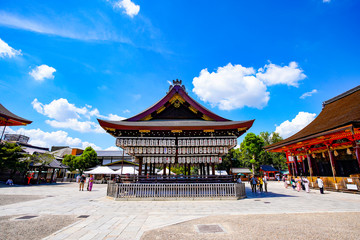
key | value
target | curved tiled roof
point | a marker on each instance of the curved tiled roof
(10, 118)
(337, 112)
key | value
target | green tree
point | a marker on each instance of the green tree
(230, 160)
(86, 160)
(13, 158)
(251, 150)
(278, 160)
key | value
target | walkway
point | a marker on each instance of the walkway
(110, 219)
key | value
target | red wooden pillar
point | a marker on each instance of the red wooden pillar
(332, 162)
(288, 162)
(295, 165)
(357, 153)
(309, 163)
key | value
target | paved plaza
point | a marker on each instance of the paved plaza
(108, 219)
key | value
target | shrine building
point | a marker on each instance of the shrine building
(330, 144)
(176, 130)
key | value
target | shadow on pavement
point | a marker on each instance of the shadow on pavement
(268, 194)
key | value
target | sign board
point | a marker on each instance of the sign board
(351, 186)
(349, 180)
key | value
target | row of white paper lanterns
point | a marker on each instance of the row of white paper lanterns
(201, 159)
(181, 142)
(181, 151)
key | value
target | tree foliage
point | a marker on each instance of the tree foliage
(251, 152)
(12, 158)
(86, 160)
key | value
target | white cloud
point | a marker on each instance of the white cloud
(67, 115)
(128, 6)
(57, 138)
(308, 94)
(289, 128)
(113, 117)
(231, 87)
(126, 111)
(112, 148)
(42, 72)
(326, 1)
(273, 74)
(235, 86)
(69, 27)
(7, 51)
(60, 109)
(76, 125)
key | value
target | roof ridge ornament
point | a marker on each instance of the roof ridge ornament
(177, 82)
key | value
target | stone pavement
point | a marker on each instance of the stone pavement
(109, 219)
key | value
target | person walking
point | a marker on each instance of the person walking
(298, 184)
(261, 182)
(78, 178)
(82, 182)
(91, 181)
(293, 184)
(306, 184)
(265, 182)
(320, 184)
(253, 183)
(285, 181)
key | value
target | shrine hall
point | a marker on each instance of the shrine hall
(176, 131)
(330, 144)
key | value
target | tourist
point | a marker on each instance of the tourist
(78, 178)
(253, 183)
(298, 184)
(239, 180)
(265, 182)
(90, 183)
(293, 184)
(321, 185)
(82, 182)
(285, 181)
(261, 182)
(9, 182)
(306, 184)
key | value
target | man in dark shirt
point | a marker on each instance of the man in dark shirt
(82, 183)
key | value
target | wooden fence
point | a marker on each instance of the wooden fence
(175, 191)
(347, 184)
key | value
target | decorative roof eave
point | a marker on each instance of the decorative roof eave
(177, 89)
(309, 140)
(337, 113)
(10, 119)
(123, 125)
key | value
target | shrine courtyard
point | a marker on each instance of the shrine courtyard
(62, 212)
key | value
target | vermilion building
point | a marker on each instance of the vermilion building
(329, 145)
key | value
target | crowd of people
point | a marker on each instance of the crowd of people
(301, 183)
(258, 183)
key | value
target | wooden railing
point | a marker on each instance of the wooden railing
(177, 179)
(338, 183)
(149, 191)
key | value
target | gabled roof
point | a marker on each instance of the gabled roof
(268, 168)
(176, 93)
(8, 118)
(339, 113)
(177, 111)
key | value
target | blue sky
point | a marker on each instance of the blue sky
(65, 63)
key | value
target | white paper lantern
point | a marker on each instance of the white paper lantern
(200, 150)
(156, 160)
(222, 142)
(188, 160)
